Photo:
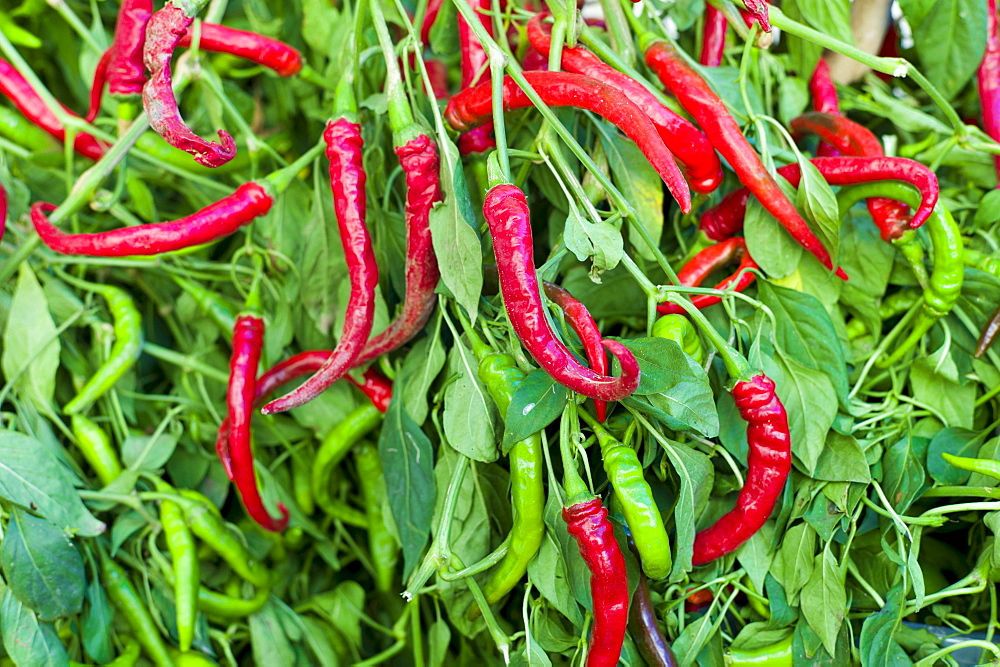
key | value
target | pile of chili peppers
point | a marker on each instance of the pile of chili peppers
(553, 442)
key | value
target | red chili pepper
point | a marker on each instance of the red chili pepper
(706, 261)
(757, 10)
(474, 62)
(3, 211)
(376, 387)
(588, 523)
(473, 106)
(438, 73)
(698, 99)
(769, 461)
(582, 322)
(690, 146)
(506, 212)
(726, 218)
(989, 79)
(248, 337)
(163, 34)
(713, 42)
(824, 100)
(126, 74)
(433, 7)
(990, 332)
(850, 138)
(14, 87)
(698, 600)
(220, 219)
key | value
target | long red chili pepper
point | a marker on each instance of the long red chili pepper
(473, 106)
(691, 147)
(419, 160)
(582, 322)
(126, 74)
(14, 87)
(474, 61)
(163, 34)
(713, 42)
(220, 219)
(248, 338)
(824, 100)
(989, 80)
(588, 523)
(769, 461)
(376, 387)
(706, 261)
(698, 99)
(850, 138)
(506, 212)
(433, 7)
(726, 218)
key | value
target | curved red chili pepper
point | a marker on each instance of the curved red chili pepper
(706, 261)
(473, 106)
(990, 332)
(163, 34)
(726, 218)
(506, 212)
(582, 322)
(248, 337)
(713, 42)
(757, 10)
(210, 223)
(988, 78)
(824, 100)
(14, 87)
(271, 53)
(433, 7)
(769, 461)
(347, 179)
(474, 62)
(126, 74)
(588, 524)
(850, 138)
(690, 146)
(698, 99)
(376, 387)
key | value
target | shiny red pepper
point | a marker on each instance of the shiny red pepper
(474, 61)
(706, 261)
(248, 338)
(713, 42)
(588, 523)
(988, 78)
(220, 219)
(691, 147)
(726, 218)
(164, 32)
(769, 461)
(506, 212)
(472, 107)
(698, 99)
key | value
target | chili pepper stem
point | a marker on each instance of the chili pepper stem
(401, 120)
(281, 179)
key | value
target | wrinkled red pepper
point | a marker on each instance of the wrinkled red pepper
(988, 78)
(708, 260)
(713, 43)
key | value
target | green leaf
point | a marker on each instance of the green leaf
(638, 182)
(408, 466)
(815, 198)
(951, 41)
(954, 402)
(147, 452)
(31, 477)
(776, 252)
(987, 210)
(43, 569)
(903, 471)
(30, 356)
(683, 398)
(957, 442)
(806, 332)
(794, 563)
(824, 599)
(842, 460)
(469, 417)
(420, 368)
(98, 619)
(270, 642)
(808, 398)
(833, 17)
(696, 473)
(598, 241)
(757, 554)
(454, 234)
(27, 640)
(536, 403)
(877, 646)
(916, 10)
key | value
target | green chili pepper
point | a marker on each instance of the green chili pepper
(302, 486)
(97, 450)
(186, 570)
(945, 282)
(982, 261)
(775, 655)
(987, 467)
(679, 329)
(225, 606)
(124, 351)
(500, 374)
(17, 128)
(216, 307)
(127, 658)
(642, 516)
(124, 597)
(359, 423)
(381, 542)
(207, 524)
(891, 306)
(191, 659)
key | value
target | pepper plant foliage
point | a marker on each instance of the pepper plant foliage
(882, 542)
